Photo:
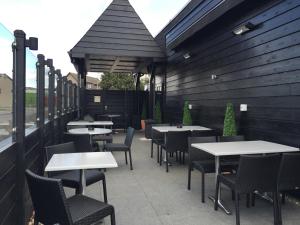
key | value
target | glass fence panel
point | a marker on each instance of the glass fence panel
(6, 82)
(46, 92)
(31, 90)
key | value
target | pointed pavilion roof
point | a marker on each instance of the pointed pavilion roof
(117, 42)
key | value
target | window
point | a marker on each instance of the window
(6, 82)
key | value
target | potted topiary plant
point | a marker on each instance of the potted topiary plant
(229, 121)
(157, 115)
(143, 116)
(187, 118)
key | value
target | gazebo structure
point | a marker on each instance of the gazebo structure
(118, 42)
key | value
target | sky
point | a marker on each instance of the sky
(60, 24)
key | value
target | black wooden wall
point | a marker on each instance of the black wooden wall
(127, 104)
(260, 68)
(34, 156)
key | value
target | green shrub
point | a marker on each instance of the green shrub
(229, 121)
(187, 118)
(157, 115)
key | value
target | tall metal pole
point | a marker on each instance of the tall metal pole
(78, 96)
(59, 104)
(19, 82)
(51, 99)
(40, 66)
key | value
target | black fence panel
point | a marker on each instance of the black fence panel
(127, 104)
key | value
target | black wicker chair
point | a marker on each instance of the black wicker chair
(71, 178)
(204, 133)
(89, 118)
(52, 207)
(157, 138)
(200, 160)
(231, 161)
(289, 177)
(123, 147)
(81, 141)
(148, 128)
(254, 173)
(176, 141)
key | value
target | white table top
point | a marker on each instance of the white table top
(87, 123)
(243, 148)
(95, 131)
(165, 129)
(84, 160)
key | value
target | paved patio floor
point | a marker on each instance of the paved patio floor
(150, 196)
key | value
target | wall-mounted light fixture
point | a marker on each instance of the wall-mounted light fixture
(187, 55)
(214, 77)
(244, 28)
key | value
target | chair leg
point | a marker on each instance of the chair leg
(104, 190)
(253, 198)
(176, 156)
(151, 148)
(179, 157)
(279, 213)
(203, 187)
(167, 162)
(36, 222)
(183, 157)
(112, 218)
(189, 177)
(157, 153)
(130, 160)
(237, 208)
(217, 194)
(248, 200)
(232, 195)
(126, 158)
(283, 197)
(160, 158)
(275, 209)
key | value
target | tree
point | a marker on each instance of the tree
(145, 80)
(229, 121)
(157, 115)
(187, 118)
(117, 81)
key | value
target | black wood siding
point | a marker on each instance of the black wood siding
(260, 68)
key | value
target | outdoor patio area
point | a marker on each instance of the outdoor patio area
(148, 195)
(197, 123)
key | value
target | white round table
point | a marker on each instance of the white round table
(95, 131)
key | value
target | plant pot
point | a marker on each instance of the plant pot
(143, 124)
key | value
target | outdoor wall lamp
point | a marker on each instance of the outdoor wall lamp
(187, 55)
(244, 28)
(214, 77)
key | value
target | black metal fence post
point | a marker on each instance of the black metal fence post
(51, 99)
(19, 83)
(59, 105)
(70, 95)
(66, 91)
(78, 95)
(40, 68)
